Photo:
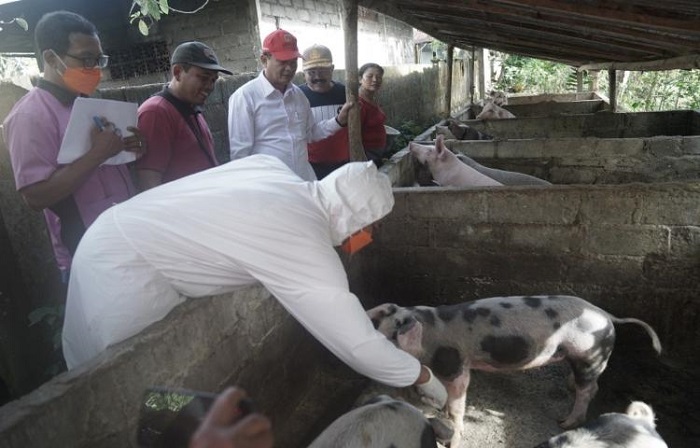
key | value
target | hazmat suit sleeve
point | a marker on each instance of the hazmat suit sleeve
(308, 279)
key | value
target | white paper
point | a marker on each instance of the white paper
(76, 142)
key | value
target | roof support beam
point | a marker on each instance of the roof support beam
(679, 63)
(349, 15)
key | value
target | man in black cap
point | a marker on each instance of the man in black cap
(179, 140)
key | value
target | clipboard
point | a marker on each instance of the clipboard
(76, 141)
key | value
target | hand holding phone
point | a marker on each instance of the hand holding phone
(231, 423)
(175, 418)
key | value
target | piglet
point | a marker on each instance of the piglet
(633, 429)
(492, 111)
(380, 422)
(506, 333)
(446, 168)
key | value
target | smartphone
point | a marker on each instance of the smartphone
(168, 417)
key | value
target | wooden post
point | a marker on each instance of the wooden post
(612, 78)
(349, 16)
(472, 76)
(448, 87)
(481, 75)
(579, 81)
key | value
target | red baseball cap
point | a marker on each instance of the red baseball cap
(282, 45)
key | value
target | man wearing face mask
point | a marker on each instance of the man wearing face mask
(74, 194)
(270, 115)
(326, 98)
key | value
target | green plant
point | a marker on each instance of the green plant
(17, 20)
(52, 316)
(409, 130)
(637, 91)
(146, 12)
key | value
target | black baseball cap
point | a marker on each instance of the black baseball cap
(196, 53)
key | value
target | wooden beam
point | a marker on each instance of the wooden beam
(349, 16)
(448, 82)
(612, 90)
(680, 63)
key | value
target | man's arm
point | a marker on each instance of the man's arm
(66, 179)
(319, 131)
(241, 126)
(160, 129)
(148, 179)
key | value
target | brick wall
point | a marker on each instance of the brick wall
(230, 27)
(381, 39)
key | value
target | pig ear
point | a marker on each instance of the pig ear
(440, 146)
(412, 340)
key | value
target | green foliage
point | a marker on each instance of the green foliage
(172, 401)
(637, 91)
(148, 12)
(19, 21)
(527, 75)
(409, 130)
(660, 90)
(51, 316)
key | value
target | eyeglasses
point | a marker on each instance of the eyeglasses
(100, 61)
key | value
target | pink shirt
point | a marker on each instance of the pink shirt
(33, 133)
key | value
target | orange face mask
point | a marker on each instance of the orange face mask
(81, 80)
(357, 241)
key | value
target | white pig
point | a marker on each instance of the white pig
(446, 168)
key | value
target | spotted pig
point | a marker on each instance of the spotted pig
(380, 422)
(633, 429)
(506, 333)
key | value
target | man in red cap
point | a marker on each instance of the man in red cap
(270, 115)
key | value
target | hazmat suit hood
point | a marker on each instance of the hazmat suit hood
(355, 195)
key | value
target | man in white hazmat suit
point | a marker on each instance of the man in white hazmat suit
(249, 220)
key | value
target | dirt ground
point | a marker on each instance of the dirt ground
(521, 409)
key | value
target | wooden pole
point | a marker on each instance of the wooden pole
(612, 78)
(448, 87)
(472, 76)
(579, 81)
(349, 17)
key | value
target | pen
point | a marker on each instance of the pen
(98, 123)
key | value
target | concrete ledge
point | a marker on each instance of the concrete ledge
(243, 338)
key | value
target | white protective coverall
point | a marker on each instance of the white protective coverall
(246, 221)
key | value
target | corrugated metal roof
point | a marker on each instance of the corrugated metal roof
(575, 32)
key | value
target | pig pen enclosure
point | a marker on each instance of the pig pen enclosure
(619, 227)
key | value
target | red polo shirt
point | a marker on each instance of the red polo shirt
(173, 149)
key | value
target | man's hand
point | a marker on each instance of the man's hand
(107, 140)
(227, 426)
(432, 391)
(135, 143)
(342, 117)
